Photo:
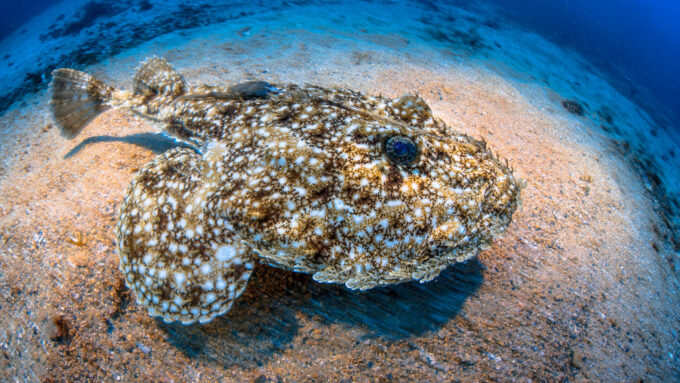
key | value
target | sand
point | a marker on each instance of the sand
(580, 288)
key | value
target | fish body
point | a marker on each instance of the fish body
(352, 189)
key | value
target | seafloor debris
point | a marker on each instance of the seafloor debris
(61, 328)
(77, 240)
(573, 107)
(358, 190)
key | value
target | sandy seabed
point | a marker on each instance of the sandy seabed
(579, 287)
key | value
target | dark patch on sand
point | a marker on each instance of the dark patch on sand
(573, 107)
(157, 143)
(468, 39)
(86, 17)
(145, 5)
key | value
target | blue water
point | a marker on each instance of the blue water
(13, 14)
(637, 42)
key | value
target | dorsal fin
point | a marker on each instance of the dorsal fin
(242, 91)
(156, 76)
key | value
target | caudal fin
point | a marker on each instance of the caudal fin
(77, 98)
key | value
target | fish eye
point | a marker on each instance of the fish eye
(401, 150)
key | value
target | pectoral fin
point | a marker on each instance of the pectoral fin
(181, 264)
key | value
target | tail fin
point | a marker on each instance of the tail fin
(77, 98)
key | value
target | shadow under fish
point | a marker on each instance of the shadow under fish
(157, 143)
(265, 321)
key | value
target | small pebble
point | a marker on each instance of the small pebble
(143, 348)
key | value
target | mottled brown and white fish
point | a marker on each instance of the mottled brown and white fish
(359, 190)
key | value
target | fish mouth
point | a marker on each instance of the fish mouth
(457, 239)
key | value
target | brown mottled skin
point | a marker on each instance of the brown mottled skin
(299, 177)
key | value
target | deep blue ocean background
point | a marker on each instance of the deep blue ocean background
(636, 42)
(13, 14)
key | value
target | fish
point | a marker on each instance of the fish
(358, 190)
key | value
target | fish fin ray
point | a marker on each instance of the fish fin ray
(156, 76)
(77, 98)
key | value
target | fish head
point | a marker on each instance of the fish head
(369, 200)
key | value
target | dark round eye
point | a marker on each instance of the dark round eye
(401, 150)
